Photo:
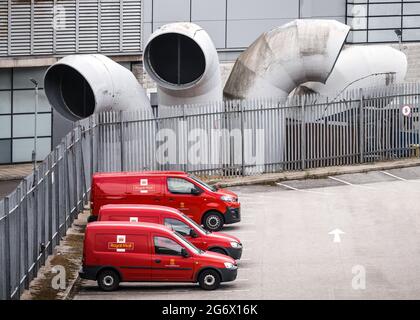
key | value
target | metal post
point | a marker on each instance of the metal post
(50, 183)
(7, 247)
(18, 213)
(122, 140)
(25, 232)
(242, 140)
(34, 152)
(303, 134)
(361, 128)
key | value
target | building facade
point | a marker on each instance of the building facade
(35, 34)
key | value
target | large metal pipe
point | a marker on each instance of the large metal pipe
(363, 67)
(78, 86)
(285, 57)
(183, 60)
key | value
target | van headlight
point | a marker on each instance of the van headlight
(227, 199)
(235, 244)
(230, 265)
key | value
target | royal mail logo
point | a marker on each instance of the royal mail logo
(119, 246)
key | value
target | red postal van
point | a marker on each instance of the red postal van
(117, 252)
(174, 219)
(205, 204)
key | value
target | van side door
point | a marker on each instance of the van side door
(179, 196)
(168, 264)
(144, 190)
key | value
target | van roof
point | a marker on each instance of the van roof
(138, 173)
(137, 207)
(137, 226)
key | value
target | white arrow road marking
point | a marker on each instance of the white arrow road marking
(337, 233)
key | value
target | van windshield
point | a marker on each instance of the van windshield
(203, 184)
(188, 244)
(204, 231)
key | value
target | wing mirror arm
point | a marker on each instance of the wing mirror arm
(184, 253)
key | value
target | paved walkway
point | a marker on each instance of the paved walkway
(15, 172)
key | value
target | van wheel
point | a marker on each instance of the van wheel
(108, 280)
(209, 280)
(218, 250)
(213, 221)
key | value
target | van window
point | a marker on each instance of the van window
(167, 246)
(178, 226)
(180, 186)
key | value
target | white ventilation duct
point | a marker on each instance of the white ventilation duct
(284, 58)
(363, 67)
(78, 86)
(183, 61)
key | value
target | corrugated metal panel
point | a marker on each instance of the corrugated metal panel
(20, 31)
(3, 27)
(66, 36)
(88, 26)
(39, 28)
(43, 27)
(110, 26)
(132, 26)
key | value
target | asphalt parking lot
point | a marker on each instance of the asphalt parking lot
(289, 252)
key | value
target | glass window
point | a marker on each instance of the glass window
(24, 125)
(24, 101)
(178, 226)
(382, 35)
(385, 9)
(385, 22)
(411, 34)
(167, 246)
(22, 149)
(5, 78)
(5, 156)
(5, 101)
(21, 77)
(5, 127)
(358, 36)
(181, 186)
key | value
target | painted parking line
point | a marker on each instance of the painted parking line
(300, 190)
(393, 176)
(348, 183)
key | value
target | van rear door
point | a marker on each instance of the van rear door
(109, 190)
(144, 190)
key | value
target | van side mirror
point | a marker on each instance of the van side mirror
(184, 253)
(195, 191)
(193, 234)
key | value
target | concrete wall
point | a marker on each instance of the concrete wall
(235, 24)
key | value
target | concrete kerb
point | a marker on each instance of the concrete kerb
(316, 173)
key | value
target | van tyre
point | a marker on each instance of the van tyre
(108, 280)
(213, 221)
(209, 280)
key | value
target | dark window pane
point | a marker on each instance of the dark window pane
(5, 154)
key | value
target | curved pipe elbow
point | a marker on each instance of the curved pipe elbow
(282, 59)
(363, 67)
(182, 59)
(78, 86)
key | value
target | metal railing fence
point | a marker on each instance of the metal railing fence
(225, 139)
